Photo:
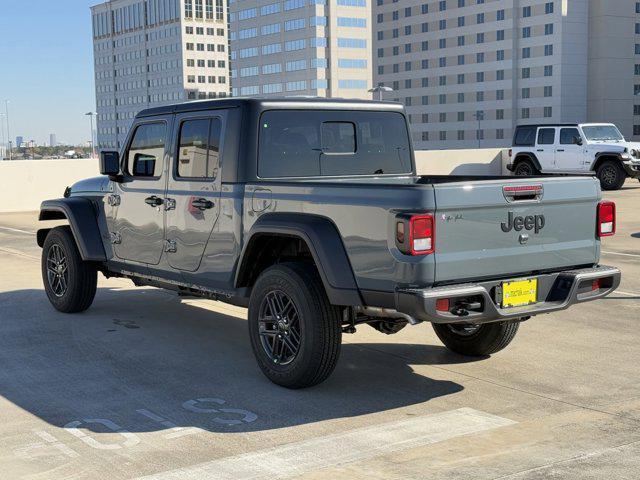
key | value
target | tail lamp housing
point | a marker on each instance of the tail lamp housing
(606, 226)
(415, 234)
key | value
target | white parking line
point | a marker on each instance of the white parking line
(300, 458)
(626, 294)
(621, 254)
(17, 230)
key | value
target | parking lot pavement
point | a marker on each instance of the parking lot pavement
(144, 384)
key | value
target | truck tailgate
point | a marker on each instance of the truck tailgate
(485, 230)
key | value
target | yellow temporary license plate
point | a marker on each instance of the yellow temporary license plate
(520, 292)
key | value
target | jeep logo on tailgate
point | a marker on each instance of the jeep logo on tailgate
(530, 222)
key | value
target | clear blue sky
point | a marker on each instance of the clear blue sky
(46, 68)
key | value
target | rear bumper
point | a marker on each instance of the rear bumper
(556, 291)
(509, 166)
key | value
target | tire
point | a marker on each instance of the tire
(477, 340)
(611, 175)
(70, 282)
(303, 312)
(525, 168)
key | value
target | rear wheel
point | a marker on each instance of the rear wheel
(295, 332)
(69, 281)
(611, 175)
(476, 340)
(525, 168)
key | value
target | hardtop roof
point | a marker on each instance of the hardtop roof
(266, 103)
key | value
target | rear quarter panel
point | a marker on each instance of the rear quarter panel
(363, 215)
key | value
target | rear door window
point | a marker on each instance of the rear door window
(199, 148)
(299, 143)
(546, 136)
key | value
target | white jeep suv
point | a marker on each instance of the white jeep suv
(575, 149)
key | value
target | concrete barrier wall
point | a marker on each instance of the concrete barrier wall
(486, 161)
(24, 184)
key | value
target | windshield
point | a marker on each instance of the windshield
(602, 132)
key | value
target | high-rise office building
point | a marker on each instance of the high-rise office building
(468, 71)
(53, 142)
(301, 47)
(153, 52)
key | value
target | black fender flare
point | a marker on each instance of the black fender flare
(600, 157)
(325, 244)
(531, 156)
(81, 215)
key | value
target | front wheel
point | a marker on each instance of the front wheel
(476, 340)
(611, 175)
(69, 281)
(295, 332)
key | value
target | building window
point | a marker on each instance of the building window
(548, 70)
(526, 11)
(548, 112)
(548, 91)
(548, 7)
(525, 113)
(443, 136)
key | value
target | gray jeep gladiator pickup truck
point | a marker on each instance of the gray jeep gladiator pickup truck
(310, 213)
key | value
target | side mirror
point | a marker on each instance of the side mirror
(577, 140)
(110, 163)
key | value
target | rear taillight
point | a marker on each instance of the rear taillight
(415, 234)
(421, 238)
(606, 219)
(510, 153)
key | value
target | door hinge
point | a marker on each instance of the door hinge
(170, 204)
(113, 200)
(115, 238)
(170, 246)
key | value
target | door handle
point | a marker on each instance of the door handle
(153, 201)
(202, 204)
(540, 150)
(560, 150)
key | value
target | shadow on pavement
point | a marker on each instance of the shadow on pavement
(143, 361)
